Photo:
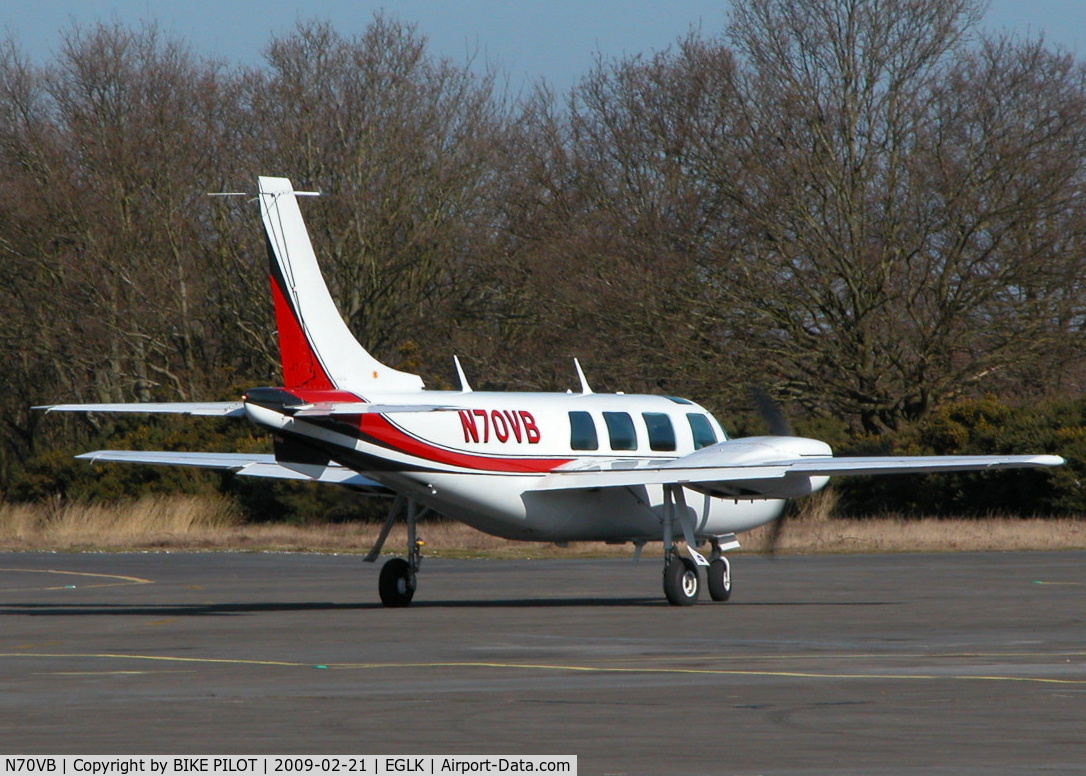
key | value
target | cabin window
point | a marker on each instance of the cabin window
(620, 429)
(702, 429)
(661, 432)
(582, 432)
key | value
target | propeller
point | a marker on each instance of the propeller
(776, 422)
(771, 413)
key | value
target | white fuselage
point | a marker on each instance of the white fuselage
(480, 462)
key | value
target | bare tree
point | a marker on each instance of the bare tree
(106, 246)
(904, 200)
(612, 219)
(861, 202)
(140, 127)
(401, 143)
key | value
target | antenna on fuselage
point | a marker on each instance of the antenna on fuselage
(460, 373)
(585, 388)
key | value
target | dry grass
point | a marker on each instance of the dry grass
(202, 523)
(892, 534)
(151, 521)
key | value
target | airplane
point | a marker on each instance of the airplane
(533, 466)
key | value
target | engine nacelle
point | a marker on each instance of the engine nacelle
(751, 451)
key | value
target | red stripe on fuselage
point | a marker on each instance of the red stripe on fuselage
(381, 429)
(378, 429)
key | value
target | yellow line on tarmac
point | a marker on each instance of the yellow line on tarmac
(868, 656)
(559, 667)
(703, 671)
(106, 673)
(1064, 584)
(123, 579)
(163, 658)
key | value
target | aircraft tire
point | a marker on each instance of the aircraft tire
(720, 580)
(396, 583)
(681, 582)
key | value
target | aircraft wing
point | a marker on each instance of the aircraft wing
(781, 478)
(211, 408)
(249, 465)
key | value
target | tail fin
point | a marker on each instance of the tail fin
(316, 348)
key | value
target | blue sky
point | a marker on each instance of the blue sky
(529, 39)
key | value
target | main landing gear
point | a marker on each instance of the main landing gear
(682, 575)
(398, 578)
(682, 581)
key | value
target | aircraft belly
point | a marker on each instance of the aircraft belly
(484, 502)
(505, 506)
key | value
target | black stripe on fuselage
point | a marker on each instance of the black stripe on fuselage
(349, 457)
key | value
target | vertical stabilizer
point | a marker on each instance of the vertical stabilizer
(316, 348)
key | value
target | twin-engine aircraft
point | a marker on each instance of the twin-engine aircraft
(550, 467)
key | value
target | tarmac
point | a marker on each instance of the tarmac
(957, 663)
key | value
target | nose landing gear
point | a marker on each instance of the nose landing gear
(719, 578)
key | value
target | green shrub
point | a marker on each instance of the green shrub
(974, 427)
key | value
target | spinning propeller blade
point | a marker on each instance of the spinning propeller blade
(773, 417)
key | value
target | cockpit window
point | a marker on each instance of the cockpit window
(620, 429)
(702, 429)
(661, 432)
(582, 431)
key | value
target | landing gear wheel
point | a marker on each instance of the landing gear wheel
(396, 583)
(720, 580)
(681, 582)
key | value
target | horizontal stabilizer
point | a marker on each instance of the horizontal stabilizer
(249, 465)
(324, 409)
(237, 409)
(209, 408)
